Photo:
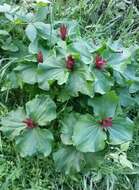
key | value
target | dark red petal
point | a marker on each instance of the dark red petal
(107, 122)
(70, 62)
(63, 32)
(30, 123)
(99, 62)
(40, 57)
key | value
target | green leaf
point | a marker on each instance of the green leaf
(105, 106)
(4, 33)
(115, 46)
(41, 109)
(121, 131)
(134, 87)
(46, 31)
(41, 13)
(80, 80)
(10, 47)
(5, 8)
(118, 60)
(34, 141)
(125, 98)
(31, 32)
(52, 69)
(11, 81)
(67, 127)
(85, 48)
(28, 72)
(82, 47)
(68, 159)
(13, 124)
(116, 56)
(88, 136)
(103, 82)
(33, 47)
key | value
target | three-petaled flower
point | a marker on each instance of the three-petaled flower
(40, 57)
(107, 122)
(30, 123)
(70, 62)
(63, 32)
(99, 62)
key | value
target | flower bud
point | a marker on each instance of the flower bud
(107, 122)
(63, 32)
(40, 57)
(100, 62)
(30, 124)
(70, 62)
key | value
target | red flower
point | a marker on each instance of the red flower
(100, 62)
(106, 122)
(40, 57)
(30, 123)
(70, 62)
(63, 32)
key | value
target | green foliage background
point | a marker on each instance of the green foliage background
(104, 19)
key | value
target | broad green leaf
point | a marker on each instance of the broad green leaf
(41, 13)
(119, 78)
(31, 32)
(28, 72)
(10, 47)
(103, 82)
(67, 127)
(93, 45)
(115, 46)
(125, 98)
(88, 136)
(5, 8)
(118, 59)
(68, 159)
(34, 141)
(11, 81)
(85, 47)
(34, 47)
(134, 87)
(41, 109)
(4, 33)
(130, 73)
(52, 69)
(80, 80)
(105, 106)
(13, 123)
(81, 46)
(46, 31)
(121, 131)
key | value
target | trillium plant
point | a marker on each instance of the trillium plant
(77, 89)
